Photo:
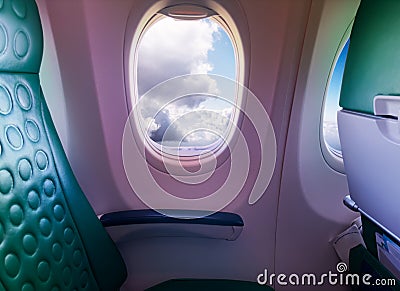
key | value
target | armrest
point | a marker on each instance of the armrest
(150, 223)
(176, 216)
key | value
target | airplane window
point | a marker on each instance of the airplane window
(330, 126)
(178, 44)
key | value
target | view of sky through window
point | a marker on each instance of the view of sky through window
(330, 126)
(170, 48)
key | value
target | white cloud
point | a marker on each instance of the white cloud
(193, 127)
(171, 48)
(331, 135)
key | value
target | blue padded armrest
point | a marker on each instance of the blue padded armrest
(146, 216)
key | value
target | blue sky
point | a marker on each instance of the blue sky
(171, 48)
(222, 57)
(330, 127)
(333, 94)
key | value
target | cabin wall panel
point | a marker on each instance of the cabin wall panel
(89, 39)
(311, 212)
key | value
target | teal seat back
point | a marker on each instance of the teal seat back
(369, 122)
(50, 238)
(372, 65)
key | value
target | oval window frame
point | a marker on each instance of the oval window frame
(334, 160)
(157, 159)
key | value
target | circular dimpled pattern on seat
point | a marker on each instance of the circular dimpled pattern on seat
(14, 137)
(21, 44)
(32, 130)
(30, 244)
(24, 96)
(45, 226)
(41, 160)
(33, 199)
(59, 212)
(6, 181)
(49, 187)
(43, 270)
(57, 251)
(3, 39)
(16, 214)
(25, 169)
(21, 38)
(12, 265)
(19, 8)
(77, 258)
(5, 101)
(69, 235)
(67, 276)
(28, 287)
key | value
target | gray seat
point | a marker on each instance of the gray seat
(368, 124)
(369, 129)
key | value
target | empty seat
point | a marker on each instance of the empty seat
(369, 127)
(50, 238)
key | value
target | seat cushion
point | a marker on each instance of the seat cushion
(209, 285)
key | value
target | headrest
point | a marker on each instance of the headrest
(373, 61)
(21, 39)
